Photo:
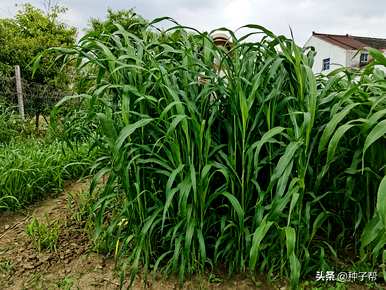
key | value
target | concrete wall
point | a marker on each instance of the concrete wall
(381, 66)
(337, 55)
(353, 59)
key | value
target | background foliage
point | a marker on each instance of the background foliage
(22, 38)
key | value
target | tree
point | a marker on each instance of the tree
(130, 20)
(29, 33)
(25, 36)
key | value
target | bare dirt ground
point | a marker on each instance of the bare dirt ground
(71, 266)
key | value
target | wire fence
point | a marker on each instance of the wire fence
(38, 98)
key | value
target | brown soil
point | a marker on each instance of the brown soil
(22, 266)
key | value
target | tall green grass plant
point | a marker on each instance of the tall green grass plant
(266, 168)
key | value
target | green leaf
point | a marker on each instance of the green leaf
(285, 160)
(376, 133)
(332, 124)
(294, 262)
(335, 140)
(381, 201)
(128, 130)
(236, 206)
(258, 236)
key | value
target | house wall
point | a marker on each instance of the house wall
(353, 59)
(382, 67)
(338, 56)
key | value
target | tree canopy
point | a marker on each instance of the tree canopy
(29, 33)
(130, 20)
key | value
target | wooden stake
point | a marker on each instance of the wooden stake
(19, 91)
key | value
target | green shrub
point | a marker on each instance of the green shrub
(10, 123)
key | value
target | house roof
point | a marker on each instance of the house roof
(352, 42)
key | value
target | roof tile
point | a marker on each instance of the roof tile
(352, 42)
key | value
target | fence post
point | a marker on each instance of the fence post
(19, 91)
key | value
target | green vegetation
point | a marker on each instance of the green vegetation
(23, 37)
(28, 34)
(262, 167)
(32, 169)
(43, 235)
(80, 206)
(11, 126)
(236, 158)
(6, 266)
(126, 18)
(67, 283)
(10, 123)
(32, 163)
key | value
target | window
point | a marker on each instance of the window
(364, 58)
(326, 64)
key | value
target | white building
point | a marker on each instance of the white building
(334, 51)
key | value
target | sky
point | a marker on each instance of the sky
(362, 18)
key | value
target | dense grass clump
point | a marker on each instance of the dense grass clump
(32, 169)
(10, 124)
(239, 158)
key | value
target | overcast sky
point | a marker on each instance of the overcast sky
(363, 18)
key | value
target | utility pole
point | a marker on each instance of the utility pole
(19, 91)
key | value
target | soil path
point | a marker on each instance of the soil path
(71, 266)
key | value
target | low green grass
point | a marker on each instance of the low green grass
(44, 235)
(11, 124)
(6, 266)
(32, 168)
(66, 283)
